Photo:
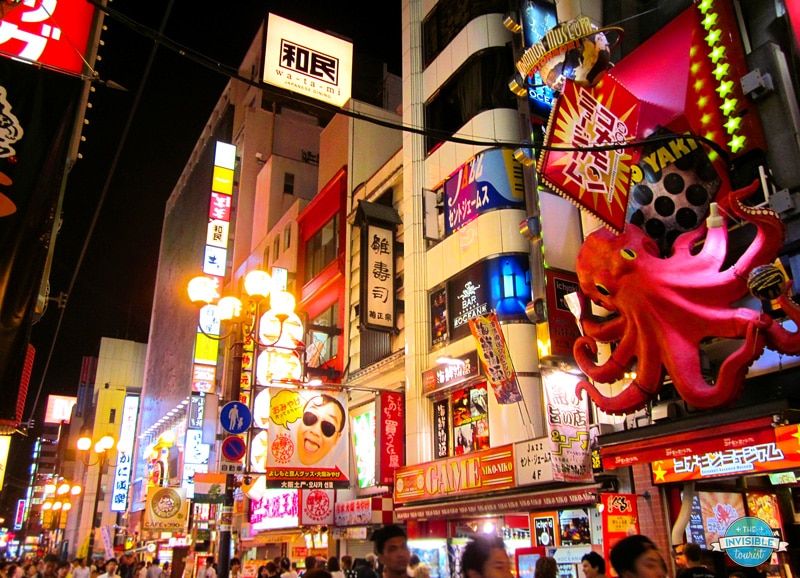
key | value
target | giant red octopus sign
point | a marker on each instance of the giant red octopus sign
(668, 306)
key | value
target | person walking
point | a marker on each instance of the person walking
(391, 546)
(485, 557)
(110, 569)
(207, 571)
(546, 567)
(593, 565)
(286, 568)
(155, 570)
(694, 568)
(334, 568)
(80, 569)
(347, 567)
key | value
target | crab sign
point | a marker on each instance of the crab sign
(668, 306)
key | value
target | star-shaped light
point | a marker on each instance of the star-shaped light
(717, 54)
(725, 88)
(728, 106)
(710, 20)
(713, 36)
(702, 102)
(659, 472)
(796, 435)
(705, 5)
(698, 84)
(737, 143)
(721, 70)
(733, 124)
(705, 119)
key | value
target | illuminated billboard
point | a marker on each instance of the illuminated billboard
(308, 62)
(59, 409)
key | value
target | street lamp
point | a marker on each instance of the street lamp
(57, 496)
(278, 328)
(100, 448)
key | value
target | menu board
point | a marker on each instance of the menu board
(695, 532)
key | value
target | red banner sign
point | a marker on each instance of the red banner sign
(487, 470)
(768, 450)
(620, 519)
(391, 435)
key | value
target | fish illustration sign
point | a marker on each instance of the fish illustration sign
(749, 542)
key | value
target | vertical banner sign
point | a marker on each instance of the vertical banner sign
(127, 436)
(567, 426)
(37, 109)
(391, 435)
(493, 351)
(377, 277)
(309, 438)
(5, 443)
(620, 519)
(441, 429)
(365, 444)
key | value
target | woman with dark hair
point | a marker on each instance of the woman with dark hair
(334, 568)
(546, 567)
(485, 557)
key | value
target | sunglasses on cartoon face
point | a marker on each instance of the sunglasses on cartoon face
(328, 429)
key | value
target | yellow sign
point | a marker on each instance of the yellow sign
(167, 510)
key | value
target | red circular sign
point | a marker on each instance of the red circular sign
(233, 448)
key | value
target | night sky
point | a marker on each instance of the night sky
(112, 296)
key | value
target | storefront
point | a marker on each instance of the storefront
(444, 503)
(743, 466)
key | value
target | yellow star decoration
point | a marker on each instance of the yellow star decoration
(705, 6)
(733, 124)
(737, 143)
(796, 435)
(717, 54)
(721, 70)
(710, 20)
(725, 88)
(659, 471)
(713, 36)
(728, 106)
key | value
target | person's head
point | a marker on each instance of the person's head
(679, 556)
(272, 569)
(63, 569)
(286, 564)
(546, 567)
(209, 560)
(347, 562)
(413, 561)
(235, 564)
(31, 570)
(333, 564)
(637, 557)
(320, 428)
(593, 565)
(485, 557)
(391, 546)
(50, 563)
(317, 573)
(311, 562)
(111, 566)
(693, 554)
(156, 561)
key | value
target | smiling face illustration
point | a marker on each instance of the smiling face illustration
(320, 429)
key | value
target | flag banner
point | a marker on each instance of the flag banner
(567, 426)
(37, 108)
(496, 359)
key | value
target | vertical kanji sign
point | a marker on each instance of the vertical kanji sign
(377, 277)
(391, 435)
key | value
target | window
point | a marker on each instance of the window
(322, 248)
(448, 18)
(480, 84)
(470, 419)
(266, 258)
(288, 184)
(112, 416)
(287, 236)
(323, 338)
(375, 345)
(276, 247)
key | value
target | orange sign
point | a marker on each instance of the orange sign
(765, 453)
(491, 469)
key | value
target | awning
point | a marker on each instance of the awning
(646, 450)
(569, 496)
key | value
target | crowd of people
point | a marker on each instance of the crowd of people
(483, 557)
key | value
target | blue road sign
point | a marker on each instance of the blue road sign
(235, 417)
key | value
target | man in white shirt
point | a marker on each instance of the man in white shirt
(154, 571)
(80, 569)
(111, 569)
(207, 571)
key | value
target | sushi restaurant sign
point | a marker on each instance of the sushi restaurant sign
(491, 469)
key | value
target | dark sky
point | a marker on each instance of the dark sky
(113, 293)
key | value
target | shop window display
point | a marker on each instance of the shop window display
(470, 419)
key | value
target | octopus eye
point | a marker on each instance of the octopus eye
(603, 290)
(628, 254)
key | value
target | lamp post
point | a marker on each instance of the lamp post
(100, 448)
(57, 499)
(250, 324)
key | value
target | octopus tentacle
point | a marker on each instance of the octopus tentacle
(779, 338)
(605, 331)
(628, 400)
(769, 238)
(585, 352)
(690, 383)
